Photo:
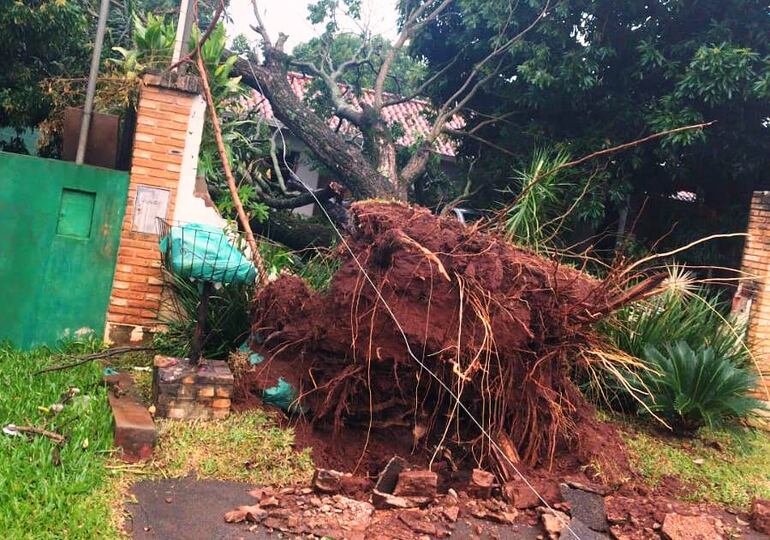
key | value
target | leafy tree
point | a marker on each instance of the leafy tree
(694, 388)
(368, 165)
(596, 73)
(404, 76)
(41, 39)
(47, 46)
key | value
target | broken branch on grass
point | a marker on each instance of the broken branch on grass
(94, 356)
(58, 438)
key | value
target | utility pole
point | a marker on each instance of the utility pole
(93, 75)
(183, 30)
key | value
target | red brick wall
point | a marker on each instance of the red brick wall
(756, 263)
(161, 130)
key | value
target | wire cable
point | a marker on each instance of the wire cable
(392, 315)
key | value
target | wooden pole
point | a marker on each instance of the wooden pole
(243, 218)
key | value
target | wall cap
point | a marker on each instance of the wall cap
(189, 84)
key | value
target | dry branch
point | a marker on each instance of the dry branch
(242, 217)
(94, 356)
(32, 430)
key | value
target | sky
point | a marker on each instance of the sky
(290, 17)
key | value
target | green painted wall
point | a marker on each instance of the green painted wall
(59, 233)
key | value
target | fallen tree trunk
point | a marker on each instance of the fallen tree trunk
(500, 326)
(295, 232)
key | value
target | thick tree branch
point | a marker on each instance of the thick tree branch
(342, 108)
(294, 231)
(348, 164)
(299, 200)
(260, 27)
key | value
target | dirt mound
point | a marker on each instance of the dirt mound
(500, 326)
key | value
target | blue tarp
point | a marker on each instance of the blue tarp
(282, 395)
(204, 252)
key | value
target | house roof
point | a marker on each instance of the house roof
(411, 115)
(685, 196)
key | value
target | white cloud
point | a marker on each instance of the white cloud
(290, 17)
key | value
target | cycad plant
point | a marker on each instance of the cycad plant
(683, 312)
(690, 388)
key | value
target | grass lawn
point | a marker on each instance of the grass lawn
(246, 447)
(728, 466)
(39, 499)
(83, 496)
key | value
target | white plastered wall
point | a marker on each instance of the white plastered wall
(310, 177)
(190, 206)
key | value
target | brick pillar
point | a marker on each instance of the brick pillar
(166, 104)
(755, 291)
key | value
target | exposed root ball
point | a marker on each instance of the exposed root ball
(498, 325)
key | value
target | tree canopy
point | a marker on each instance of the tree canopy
(596, 73)
(403, 78)
(39, 40)
(52, 41)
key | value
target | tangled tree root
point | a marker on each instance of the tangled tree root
(497, 324)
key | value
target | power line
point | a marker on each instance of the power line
(392, 315)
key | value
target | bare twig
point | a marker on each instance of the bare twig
(32, 430)
(460, 98)
(472, 135)
(600, 153)
(260, 28)
(420, 89)
(95, 356)
(649, 258)
(637, 142)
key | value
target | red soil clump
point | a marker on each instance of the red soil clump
(500, 326)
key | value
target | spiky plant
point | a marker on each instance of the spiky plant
(530, 220)
(683, 312)
(227, 324)
(690, 388)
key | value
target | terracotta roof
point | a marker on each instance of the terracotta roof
(411, 115)
(684, 196)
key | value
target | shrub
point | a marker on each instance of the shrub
(227, 324)
(694, 388)
(681, 313)
(698, 318)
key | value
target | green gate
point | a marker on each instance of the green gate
(59, 233)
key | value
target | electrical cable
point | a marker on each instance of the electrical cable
(392, 315)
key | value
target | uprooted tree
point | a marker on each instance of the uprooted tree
(500, 327)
